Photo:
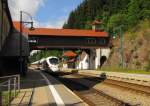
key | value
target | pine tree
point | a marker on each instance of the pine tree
(111, 12)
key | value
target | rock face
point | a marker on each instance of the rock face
(136, 50)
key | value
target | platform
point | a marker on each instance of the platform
(141, 79)
(45, 90)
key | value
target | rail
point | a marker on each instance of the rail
(9, 88)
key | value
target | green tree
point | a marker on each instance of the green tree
(133, 12)
(111, 12)
(117, 20)
(145, 9)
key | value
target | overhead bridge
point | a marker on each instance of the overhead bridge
(46, 38)
(15, 45)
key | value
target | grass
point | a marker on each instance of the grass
(125, 70)
(5, 99)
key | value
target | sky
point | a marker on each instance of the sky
(45, 13)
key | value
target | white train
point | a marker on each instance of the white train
(50, 64)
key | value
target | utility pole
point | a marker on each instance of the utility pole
(121, 43)
(23, 72)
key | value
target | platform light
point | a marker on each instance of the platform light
(21, 31)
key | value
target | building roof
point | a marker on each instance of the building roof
(70, 54)
(61, 32)
(96, 22)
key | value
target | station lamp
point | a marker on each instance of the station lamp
(21, 35)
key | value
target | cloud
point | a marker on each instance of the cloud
(29, 6)
(32, 7)
(58, 23)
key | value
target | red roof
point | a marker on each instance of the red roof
(62, 32)
(70, 54)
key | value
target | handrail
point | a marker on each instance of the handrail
(9, 76)
(12, 84)
(3, 82)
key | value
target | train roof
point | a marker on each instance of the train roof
(51, 57)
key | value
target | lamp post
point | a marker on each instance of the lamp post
(21, 35)
(115, 32)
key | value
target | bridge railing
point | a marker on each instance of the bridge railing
(9, 88)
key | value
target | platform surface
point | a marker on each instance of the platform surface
(44, 90)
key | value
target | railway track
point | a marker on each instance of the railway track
(136, 94)
(91, 96)
(136, 88)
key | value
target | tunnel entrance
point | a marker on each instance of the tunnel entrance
(102, 60)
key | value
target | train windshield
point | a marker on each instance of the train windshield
(53, 61)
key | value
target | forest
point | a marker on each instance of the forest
(112, 13)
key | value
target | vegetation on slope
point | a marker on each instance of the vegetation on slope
(136, 48)
(112, 13)
(133, 15)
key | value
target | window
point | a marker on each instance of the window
(53, 61)
(91, 41)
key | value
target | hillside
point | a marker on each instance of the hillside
(133, 15)
(136, 48)
(112, 13)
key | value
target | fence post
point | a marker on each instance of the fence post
(18, 83)
(9, 92)
(15, 87)
(0, 95)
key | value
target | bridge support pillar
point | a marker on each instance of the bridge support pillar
(92, 56)
(97, 59)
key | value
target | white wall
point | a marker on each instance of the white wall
(97, 59)
(93, 59)
(84, 64)
(106, 52)
(99, 53)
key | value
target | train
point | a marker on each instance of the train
(50, 64)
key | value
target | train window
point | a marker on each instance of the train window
(53, 61)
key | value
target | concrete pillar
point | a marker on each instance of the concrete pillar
(98, 57)
(92, 56)
(95, 53)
